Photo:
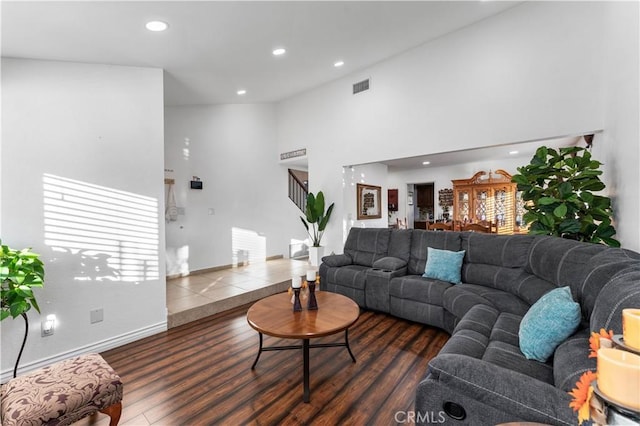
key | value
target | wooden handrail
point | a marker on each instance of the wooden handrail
(296, 179)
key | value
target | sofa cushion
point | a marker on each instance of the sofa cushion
(510, 357)
(571, 360)
(352, 276)
(460, 298)
(622, 291)
(420, 240)
(413, 287)
(485, 333)
(602, 268)
(564, 262)
(506, 329)
(507, 251)
(389, 263)
(337, 260)
(400, 243)
(443, 265)
(548, 323)
(516, 281)
(366, 245)
(480, 318)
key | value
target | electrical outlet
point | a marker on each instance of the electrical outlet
(96, 315)
(48, 326)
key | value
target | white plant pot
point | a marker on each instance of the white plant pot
(315, 255)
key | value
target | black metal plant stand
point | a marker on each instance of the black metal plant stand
(24, 341)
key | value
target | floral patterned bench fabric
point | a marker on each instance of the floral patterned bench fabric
(60, 394)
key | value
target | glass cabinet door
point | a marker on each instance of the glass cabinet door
(502, 208)
(463, 201)
(482, 207)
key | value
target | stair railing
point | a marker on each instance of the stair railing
(297, 191)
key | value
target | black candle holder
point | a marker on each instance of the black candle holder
(297, 306)
(312, 303)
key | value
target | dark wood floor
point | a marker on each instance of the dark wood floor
(200, 374)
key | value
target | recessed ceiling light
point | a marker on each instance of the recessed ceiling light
(241, 92)
(426, 163)
(279, 51)
(513, 152)
(156, 26)
(338, 64)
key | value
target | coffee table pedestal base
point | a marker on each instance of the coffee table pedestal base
(306, 345)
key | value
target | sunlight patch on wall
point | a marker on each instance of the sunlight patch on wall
(298, 248)
(247, 247)
(107, 234)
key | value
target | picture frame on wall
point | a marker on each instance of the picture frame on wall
(369, 201)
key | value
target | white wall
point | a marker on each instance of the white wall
(71, 132)
(232, 148)
(369, 174)
(619, 146)
(536, 71)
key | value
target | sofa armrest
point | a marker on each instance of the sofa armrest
(337, 260)
(389, 264)
(507, 391)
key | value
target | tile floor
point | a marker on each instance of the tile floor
(196, 296)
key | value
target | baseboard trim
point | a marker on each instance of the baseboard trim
(203, 311)
(101, 346)
(220, 268)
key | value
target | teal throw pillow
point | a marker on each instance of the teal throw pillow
(549, 322)
(444, 265)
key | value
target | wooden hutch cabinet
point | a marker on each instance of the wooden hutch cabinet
(488, 198)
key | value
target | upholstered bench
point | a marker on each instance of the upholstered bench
(62, 393)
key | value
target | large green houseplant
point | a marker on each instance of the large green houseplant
(315, 222)
(558, 189)
(20, 272)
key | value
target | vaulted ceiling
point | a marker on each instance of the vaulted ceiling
(212, 49)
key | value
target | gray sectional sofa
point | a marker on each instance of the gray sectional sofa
(480, 376)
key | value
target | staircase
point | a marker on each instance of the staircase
(298, 189)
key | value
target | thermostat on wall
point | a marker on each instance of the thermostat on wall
(196, 184)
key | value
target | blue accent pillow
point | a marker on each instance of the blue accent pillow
(549, 322)
(443, 265)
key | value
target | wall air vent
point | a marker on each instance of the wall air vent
(361, 86)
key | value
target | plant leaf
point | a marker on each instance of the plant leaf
(319, 205)
(545, 201)
(560, 211)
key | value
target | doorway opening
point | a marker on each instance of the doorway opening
(423, 207)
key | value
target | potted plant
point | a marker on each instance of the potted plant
(315, 222)
(20, 272)
(558, 189)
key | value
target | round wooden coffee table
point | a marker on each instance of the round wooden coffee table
(274, 316)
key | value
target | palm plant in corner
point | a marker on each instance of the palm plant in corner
(20, 272)
(558, 188)
(315, 222)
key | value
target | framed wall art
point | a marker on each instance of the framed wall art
(369, 202)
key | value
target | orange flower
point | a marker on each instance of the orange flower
(582, 395)
(594, 341)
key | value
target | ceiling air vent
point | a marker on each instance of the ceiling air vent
(361, 86)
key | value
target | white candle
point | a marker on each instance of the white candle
(631, 327)
(311, 276)
(296, 281)
(619, 376)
